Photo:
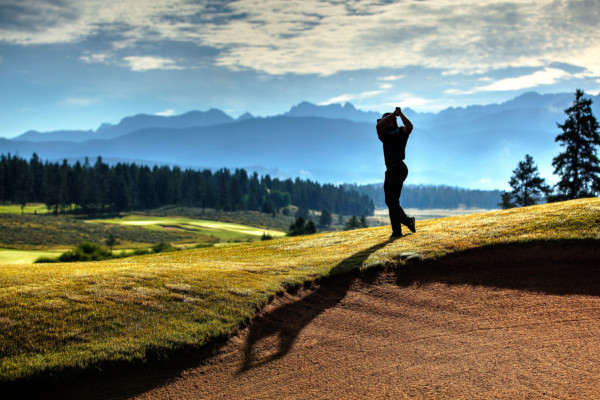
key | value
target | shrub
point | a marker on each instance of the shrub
(163, 247)
(45, 259)
(86, 251)
(266, 236)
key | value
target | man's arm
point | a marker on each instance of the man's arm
(408, 126)
(390, 121)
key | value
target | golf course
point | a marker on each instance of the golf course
(483, 305)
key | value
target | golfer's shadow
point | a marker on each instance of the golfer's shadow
(286, 322)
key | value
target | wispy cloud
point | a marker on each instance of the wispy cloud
(147, 63)
(80, 101)
(344, 98)
(167, 113)
(391, 78)
(547, 76)
(97, 58)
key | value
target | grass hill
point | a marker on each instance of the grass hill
(66, 318)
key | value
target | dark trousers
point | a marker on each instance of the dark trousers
(392, 187)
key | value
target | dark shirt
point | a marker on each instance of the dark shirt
(394, 145)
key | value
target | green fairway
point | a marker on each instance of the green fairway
(10, 256)
(222, 230)
(30, 208)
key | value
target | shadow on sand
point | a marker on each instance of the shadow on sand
(288, 320)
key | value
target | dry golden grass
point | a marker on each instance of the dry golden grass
(57, 317)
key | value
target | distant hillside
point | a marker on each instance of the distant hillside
(472, 147)
(433, 196)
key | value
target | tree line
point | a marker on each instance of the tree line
(577, 166)
(433, 196)
(122, 187)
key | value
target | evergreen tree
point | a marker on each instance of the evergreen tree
(301, 227)
(325, 219)
(267, 206)
(507, 201)
(526, 183)
(363, 222)
(578, 166)
(353, 223)
(310, 228)
(297, 227)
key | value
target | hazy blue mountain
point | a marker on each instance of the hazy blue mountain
(56, 136)
(132, 124)
(474, 147)
(335, 111)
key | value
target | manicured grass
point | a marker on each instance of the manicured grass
(10, 256)
(56, 317)
(226, 231)
(30, 208)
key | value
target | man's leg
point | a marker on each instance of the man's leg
(392, 186)
(405, 219)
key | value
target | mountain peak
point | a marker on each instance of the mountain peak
(333, 111)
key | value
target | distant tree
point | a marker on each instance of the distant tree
(267, 206)
(301, 227)
(325, 219)
(353, 223)
(526, 183)
(507, 201)
(310, 228)
(578, 166)
(111, 240)
(363, 222)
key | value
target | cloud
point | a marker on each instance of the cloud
(344, 98)
(147, 63)
(391, 78)
(167, 113)
(98, 58)
(80, 101)
(547, 76)
(325, 37)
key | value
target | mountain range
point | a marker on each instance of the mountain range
(473, 147)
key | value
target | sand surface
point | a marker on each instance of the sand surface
(519, 321)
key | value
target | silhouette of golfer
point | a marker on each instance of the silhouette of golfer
(394, 140)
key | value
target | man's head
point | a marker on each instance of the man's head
(393, 119)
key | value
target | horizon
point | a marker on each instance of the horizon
(79, 64)
(236, 117)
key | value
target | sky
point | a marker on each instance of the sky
(74, 64)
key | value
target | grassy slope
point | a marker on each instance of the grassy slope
(73, 316)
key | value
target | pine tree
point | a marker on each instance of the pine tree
(527, 184)
(325, 219)
(353, 223)
(363, 222)
(578, 166)
(507, 201)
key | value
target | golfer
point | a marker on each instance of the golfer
(394, 140)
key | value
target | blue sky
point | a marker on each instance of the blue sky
(73, 64)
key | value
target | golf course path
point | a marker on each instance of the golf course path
(510, 321)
